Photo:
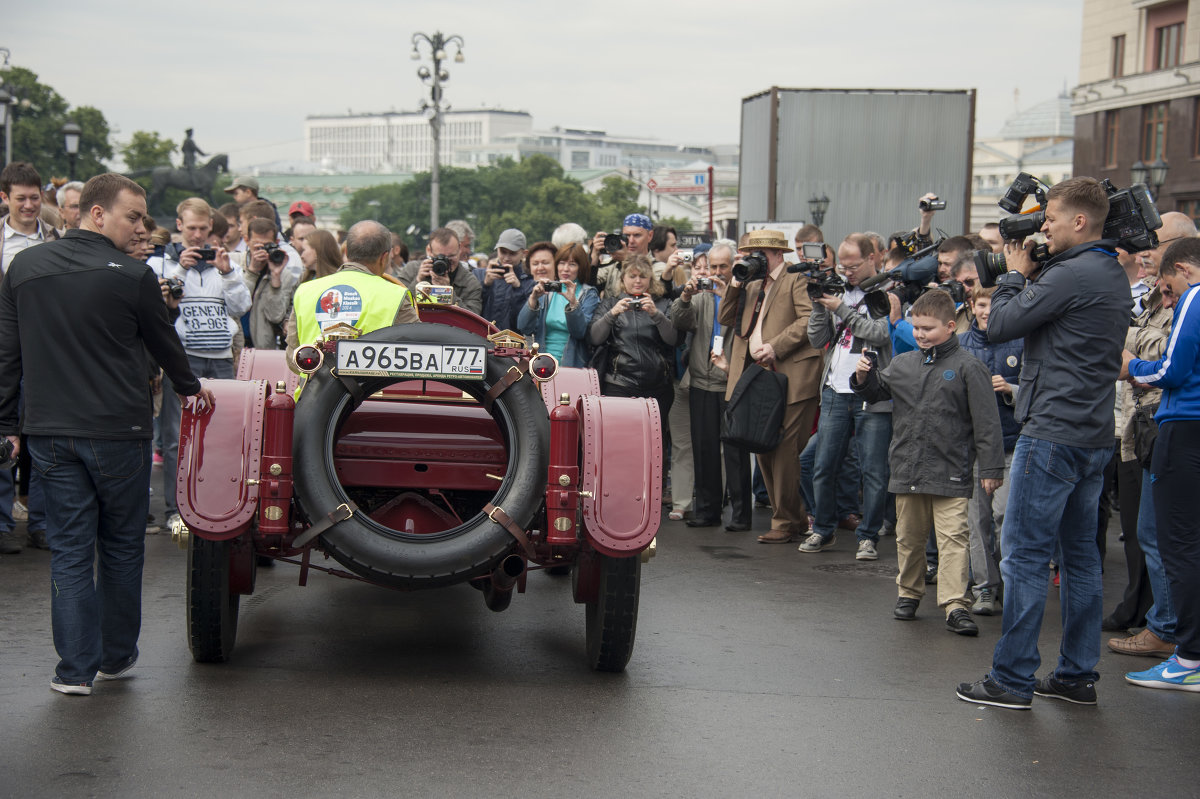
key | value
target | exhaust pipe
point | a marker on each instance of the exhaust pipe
(497, 592)
(509, 571)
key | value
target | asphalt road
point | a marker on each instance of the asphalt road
(758, 671)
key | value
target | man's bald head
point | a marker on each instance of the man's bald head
(1175, 226)
(367, 243)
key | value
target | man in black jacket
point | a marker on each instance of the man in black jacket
(76, 317)
(1073, 315)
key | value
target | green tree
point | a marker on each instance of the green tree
(533, 195)
(40, 114)
(680, 223)
(147, 150)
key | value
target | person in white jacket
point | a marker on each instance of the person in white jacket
(214, 298)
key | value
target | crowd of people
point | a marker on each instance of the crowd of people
(991, 429)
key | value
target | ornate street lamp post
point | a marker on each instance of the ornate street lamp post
(433, 107)
(70, 132)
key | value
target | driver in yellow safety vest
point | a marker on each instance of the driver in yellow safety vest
(357, 294)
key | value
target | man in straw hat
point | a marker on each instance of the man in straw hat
(769, 314)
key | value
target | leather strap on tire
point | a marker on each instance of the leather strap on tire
(501, 518)
(513, 374)
(339, 514)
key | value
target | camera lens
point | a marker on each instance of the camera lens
(990, 266)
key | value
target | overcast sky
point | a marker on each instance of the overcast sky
(245, 74)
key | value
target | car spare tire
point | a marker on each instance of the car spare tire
(411, 560)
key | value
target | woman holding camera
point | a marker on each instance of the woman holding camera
(638, 335)
(557, 312)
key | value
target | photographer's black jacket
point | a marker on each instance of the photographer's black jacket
(74, 315)
(1073, 316)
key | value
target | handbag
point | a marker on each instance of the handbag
(1144, 430)
(753, 418)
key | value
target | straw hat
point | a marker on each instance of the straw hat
(764, 240)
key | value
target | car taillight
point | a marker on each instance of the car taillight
(543, 366)
(308, 359)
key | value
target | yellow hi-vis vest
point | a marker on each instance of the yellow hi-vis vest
(364, 300)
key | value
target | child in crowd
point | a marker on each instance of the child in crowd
(944, 412)
(1003, 362)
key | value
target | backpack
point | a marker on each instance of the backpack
(753, 418)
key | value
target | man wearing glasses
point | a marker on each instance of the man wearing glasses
(843, 327)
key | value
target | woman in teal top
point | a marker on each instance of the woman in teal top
(557, 319)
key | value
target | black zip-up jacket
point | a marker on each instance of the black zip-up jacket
(943, 416)
(640, 349)
(74, 316)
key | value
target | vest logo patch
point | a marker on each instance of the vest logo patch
(948, 374)
(339, 303)
(1012, 360)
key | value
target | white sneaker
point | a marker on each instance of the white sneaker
(866, 550)
(20, 513)
(815, 543)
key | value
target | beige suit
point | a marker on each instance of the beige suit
(785, 315)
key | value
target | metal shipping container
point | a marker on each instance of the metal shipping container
(872, 152)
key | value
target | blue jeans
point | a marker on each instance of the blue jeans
(1052, 500)
(1160, 618)
(843, 415)
(101, 491)
(847, 480)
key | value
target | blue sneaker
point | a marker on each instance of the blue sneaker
(78, 688)
(1168, 674)
(118, 671)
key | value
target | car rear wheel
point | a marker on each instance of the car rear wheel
(612, 615)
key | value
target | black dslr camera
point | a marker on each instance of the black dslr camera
(175, 288)
(615, 242)
(275, 254)
(7, 461)
(441, 265)
(751, 266)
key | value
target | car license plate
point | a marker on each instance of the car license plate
(438, 361)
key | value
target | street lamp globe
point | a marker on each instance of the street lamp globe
(1138, 173)
(71, 132)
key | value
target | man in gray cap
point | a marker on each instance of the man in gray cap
(245, 190)
(506, 283)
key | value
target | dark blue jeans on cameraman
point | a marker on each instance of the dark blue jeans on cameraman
(844, 416)
(1054, 490)
(99, 495)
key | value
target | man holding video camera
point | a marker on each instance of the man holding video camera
(841, 324)
(1073, 312)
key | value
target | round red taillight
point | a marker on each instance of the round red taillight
(308, 359)
(543, 366)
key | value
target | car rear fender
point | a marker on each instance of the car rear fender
(622, 468)
(220, 460)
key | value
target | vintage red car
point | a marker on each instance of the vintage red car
(420, 456)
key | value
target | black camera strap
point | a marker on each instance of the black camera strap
(758, 304)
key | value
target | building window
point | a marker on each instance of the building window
(1196, 128)
(1154, 132)
(1112, 131)
(1168, 45)
(1191, 208)
(1118, 56)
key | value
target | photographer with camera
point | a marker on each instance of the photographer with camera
(634, 239)
(442, 267)
(270, 286)
(768, 307)
(506, 284)
(561, 303)
(214, 297)
(1073, 316)
(841, 323)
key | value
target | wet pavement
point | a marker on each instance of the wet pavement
(758, 671)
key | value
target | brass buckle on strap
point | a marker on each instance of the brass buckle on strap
(492, 514)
